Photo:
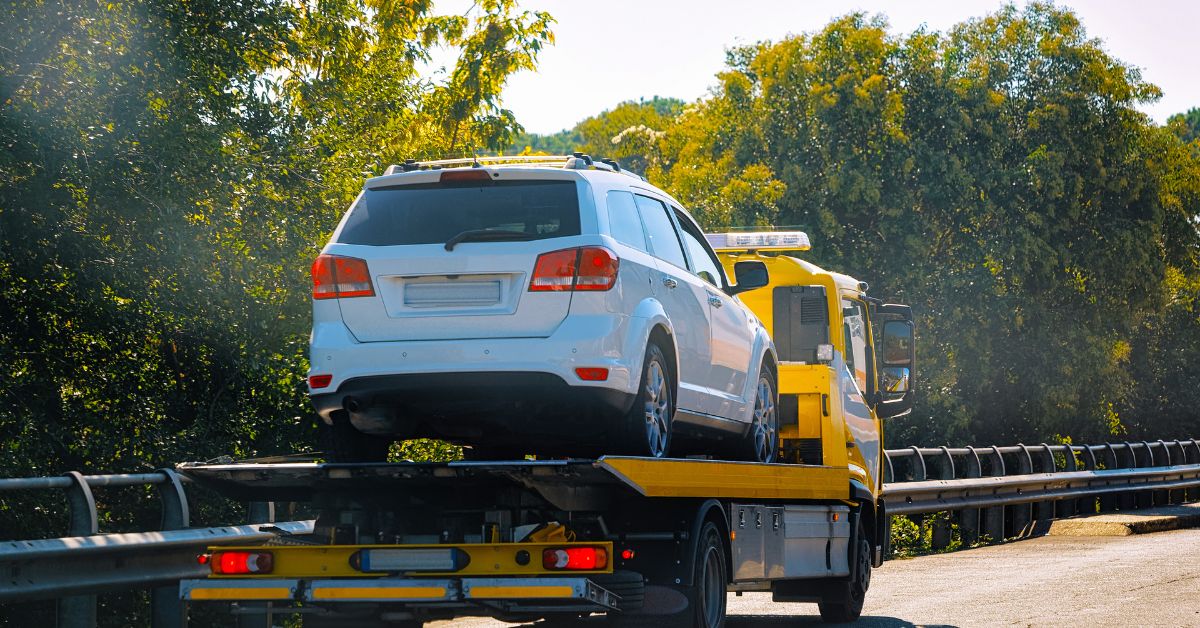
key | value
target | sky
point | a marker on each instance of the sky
(611, 51)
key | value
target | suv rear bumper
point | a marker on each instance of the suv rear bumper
(506, 409)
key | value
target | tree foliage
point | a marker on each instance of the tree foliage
(999, 178)
(168, 172)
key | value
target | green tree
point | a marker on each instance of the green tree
(998, 177)
(1186, 125)
(169, 171)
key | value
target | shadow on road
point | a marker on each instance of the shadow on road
(752, 621)
(782, 621)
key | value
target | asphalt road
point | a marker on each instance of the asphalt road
(1141, 580)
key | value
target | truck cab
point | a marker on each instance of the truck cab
(846, 360)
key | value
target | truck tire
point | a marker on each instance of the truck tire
(761, 443)
(647, 425)
(847, 605)
(706, 598)
(347, 444)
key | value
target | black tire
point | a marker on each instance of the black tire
(706, 598)
(347, 444)
(710, 580)
(847, 605)
(761, 443)
(647, 425)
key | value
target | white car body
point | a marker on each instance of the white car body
(445, 324)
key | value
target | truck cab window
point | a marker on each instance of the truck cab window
(854, 331)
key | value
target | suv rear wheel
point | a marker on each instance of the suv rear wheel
(647, 429)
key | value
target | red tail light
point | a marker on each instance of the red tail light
(241, 563)
(319, 381)
(575, 558)
(591, 268)
(335, 277)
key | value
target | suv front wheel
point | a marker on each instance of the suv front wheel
(761, 443)
(647, 425)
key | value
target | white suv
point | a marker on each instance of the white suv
(558, 306)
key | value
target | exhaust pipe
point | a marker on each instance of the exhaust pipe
(351, 405)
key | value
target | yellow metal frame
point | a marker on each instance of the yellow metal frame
(716, 478)
(333, 561)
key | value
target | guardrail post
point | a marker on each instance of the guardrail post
(1146, 499)
(969, 517)
(942, 530)
(257, 614)
(1191, 455)
(1063, 507)
(993, 518)
(1022, 514)
(1128, 499)
(1043, 512)
(1086, 505)
(79, 611)
(166, 609)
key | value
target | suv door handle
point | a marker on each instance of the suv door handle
(670, 283)
(715, 301)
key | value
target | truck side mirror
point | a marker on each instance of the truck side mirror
(896, 372)
(749, 276)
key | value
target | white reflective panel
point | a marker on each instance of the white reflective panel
(409, 560)
(762, 240)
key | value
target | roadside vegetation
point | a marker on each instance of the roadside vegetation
(169, 171)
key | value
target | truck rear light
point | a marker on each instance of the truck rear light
(435, 560)
(592, 374)
(240, 563)
(575, 558)
(319, 381)
(335, 276)
(590, 268)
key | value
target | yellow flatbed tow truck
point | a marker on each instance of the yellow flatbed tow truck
(642, 540)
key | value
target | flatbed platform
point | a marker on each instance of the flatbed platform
(574, 480)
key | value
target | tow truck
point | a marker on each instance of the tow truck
(641, 540)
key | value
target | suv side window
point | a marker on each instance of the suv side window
(704, 262)
(664, 242)
(624, 225)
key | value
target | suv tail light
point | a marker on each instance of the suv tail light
(589, 268)
(334, 277)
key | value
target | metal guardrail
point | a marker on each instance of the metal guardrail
(77, 567)
(973, 484)
(1048, 482)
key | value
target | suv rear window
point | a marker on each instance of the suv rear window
(432, 213)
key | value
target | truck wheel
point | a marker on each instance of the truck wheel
(706, 598)
(647, 429)
(761, 443)
(710, 581)
(848, 604)
(347, 444)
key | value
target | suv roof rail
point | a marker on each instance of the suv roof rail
(576, 161)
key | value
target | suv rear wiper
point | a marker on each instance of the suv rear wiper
(480, 235)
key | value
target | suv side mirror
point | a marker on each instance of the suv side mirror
(749, 276)
(896, 372)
